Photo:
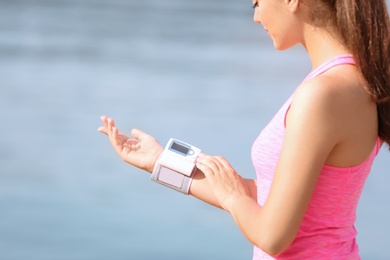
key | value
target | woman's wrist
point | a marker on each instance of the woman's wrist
(155, 160)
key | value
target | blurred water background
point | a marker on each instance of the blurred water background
(200, 71)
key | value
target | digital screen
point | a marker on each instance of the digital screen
(180, 148)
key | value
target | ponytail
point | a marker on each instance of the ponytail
(364, 28)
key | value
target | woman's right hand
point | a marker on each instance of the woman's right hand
(141, 151)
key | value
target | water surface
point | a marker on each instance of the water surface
(200, 71)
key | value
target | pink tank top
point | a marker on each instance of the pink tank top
(327, 230)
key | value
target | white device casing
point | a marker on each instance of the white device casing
(176, 165)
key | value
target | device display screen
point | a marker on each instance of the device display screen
(180, 148)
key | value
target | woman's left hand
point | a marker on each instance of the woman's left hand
(223, 179)
(140, 150)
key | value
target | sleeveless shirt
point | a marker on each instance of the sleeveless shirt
(327, 230)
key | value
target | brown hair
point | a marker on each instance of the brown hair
(364, 27)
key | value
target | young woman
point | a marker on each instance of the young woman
(313, 158)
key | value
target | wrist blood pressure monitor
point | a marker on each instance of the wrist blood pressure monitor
(176, 166)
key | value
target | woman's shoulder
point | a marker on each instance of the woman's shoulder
(336, 101)
(337, 88)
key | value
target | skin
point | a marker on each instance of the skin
(332, 120)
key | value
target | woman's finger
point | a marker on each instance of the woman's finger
(110, 131)
(208, 165)
(223, 162)
(207, 171)
(115, 140)
(104, 120)
(214, 163)
(102, 129)
(110, 125)
(138, 134)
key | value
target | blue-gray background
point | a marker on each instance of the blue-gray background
(200, 71)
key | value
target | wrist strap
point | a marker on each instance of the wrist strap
(175, 169)
(172, 179)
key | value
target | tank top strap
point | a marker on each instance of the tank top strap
(377, 146)
(337, 60)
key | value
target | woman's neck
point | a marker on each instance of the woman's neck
(321, 46)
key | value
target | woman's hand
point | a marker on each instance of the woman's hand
(142, 151)
(226, 184)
